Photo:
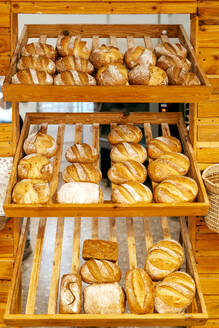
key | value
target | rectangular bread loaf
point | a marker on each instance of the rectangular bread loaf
(70, 294)
(100, 249)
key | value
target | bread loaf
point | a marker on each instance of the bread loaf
(38, 48)
(131, 193)
(72, 63)
(148, 75)
(139, 291)
(80, 172)
(70, 294)
(163, 258)
(40, 143)
(72, 46)
(31, 76)
(104, 299)
(162, 145)
(166, 62)
(100, 250)
(31, 191)
(125, 133)
(38, 63)
(105, 55)
(74, 78)
(100, 271)
(112, 74)
(35, 166)
(175, 293)
(176, 190)
(128, 151)
(81, 153)
(170, 48)
(139, 55)
(80, 193)
(168, 165)
(177, 76)
(123, 172)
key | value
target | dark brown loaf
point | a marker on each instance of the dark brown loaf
(35, 166)
(70, 294)
(125, 133)
(131, 193)
(72, 63)
(40, 143)
(166, 62)
(177, 76)
(139, 55)
(72, 46)
(81, 153)
(38, 48)
(83, 172)
(39, 63)
(100, 250)
(74, 78)
(128, 151)
(170, 48)
(162, 145)
(105, 55)
(148, 75)
(112, 74)
(31, 191)
(123, 172)
(31, 76)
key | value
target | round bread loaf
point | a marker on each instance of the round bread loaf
(177, 76)
(162, 145)
(168, 165)
(163, 258)
(40, 143)
(125, 133)
(123, 172)
(148, 75)
(35, 166)
(31, 191)
(169, 48)
(112, 74)
(105, 55)
(82, 172)
(131, 193)
(128, 151)
(166, 62)
(175, 293)
(139, 55)
(176, 190)
(81, 153)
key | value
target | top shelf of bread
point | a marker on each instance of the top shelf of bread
(137, 63)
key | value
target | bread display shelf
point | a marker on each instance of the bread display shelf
(131, 93)
(106, 209)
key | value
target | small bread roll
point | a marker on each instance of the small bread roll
(74, 78)
(72, 46)
(168, 165)
(131, 193)
(170, 48)
(166, 62)
(105, 55)
(39, 63)
(112, 74)
(139, 55)
(72, 63)
(148, 75)
(70, 294)
(81, 153)
(38, 48)
(31, 191)
(123, 172)
(125, 133)
(162, 145)
(32, 76)
(139, 291)
(35, 166)
(100, 271)
(128, 151)
(82, 172)
(177, 76)
(40, 143)
(176, 190)
(100, 250)
(163, 258)
(175, 293)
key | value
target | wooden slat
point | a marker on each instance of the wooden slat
(209, 283)
(208, 109)
(164, 38)
(5, 131)
(6, 268)
(131, 243)
(148, 233)
(95, 42)
(208, 154)
(43, 38)
(112, 229)
(95, 144)
(113, 41)
(5, 45)
(165, 227)
(76, 245)
(130, 41)
(148, 42)
(208, 58)
(206, 262)
(5, 14)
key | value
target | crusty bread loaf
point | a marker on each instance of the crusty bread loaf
(31, 76)
(139, 55)
(128, 151)
(168, 165)
(112, 74)
(123, 172)
(148, 75)
(38, 48)
(82, 172)
(139, 291)
(177, 76)
(31, 191)
(100, 271)
(125, 133)
(38, 63)
(100, 250)
(104, 299)
(72, 46)
(40, 143)
(105, 55)
(70, 294)
(74, 78)
(72, 63)
(163, 258)
(162, 145)
(80, 193)
(35, 166)
(170, 48)
(176, 190)
(175, 293)
(131, 193)
(166, 62)
(81, 153)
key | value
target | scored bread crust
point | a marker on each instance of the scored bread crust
(81, 153)
(177, 76)
(69, 63)
(123, 172)
(105, 55)
(82, 172)
(126, 151)
(162, 145)
(40, 143)
(32, 76)
(125, 133)
(35, 166)
(70, 294)
(72, 46)
(166, 62)
(131, 193)
(170, 48)
(139, 55)
(31, 191)
(41, 63)
(148, 75)
(112, 74)
(38, 48)
(100, 250)
(74, 77)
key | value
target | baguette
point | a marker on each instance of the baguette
(79, 172)
(162, 145)
(38, 63)
(72, 63)
(128, 151)
(125, 133)
(31, 76)
(70, 294)
(131, 193)
(139, 55)
(72, 46)
(38, 48)
(105, 55)
(81, 153)
(100, 271)
(123, 172)
(74, 78)
(100, 250)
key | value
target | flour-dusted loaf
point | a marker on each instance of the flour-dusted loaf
(40, 143)
(80, 193)
(74, 78)
(72, 46)
(123, 172)
(177, 76)
(70, 294)
(175, 293)
(139, 291)
(31, 191)
(38, 63)
(104, 299)
(163, 258)
(72, 63)
(168, 165)
(131, 193)
(100, 250)
(125, 133)
(126, 151)
(139, 55)
(32, 76)
(170, 48)
(166, 62)
(105, 55)
(176, 190)
(81, 153)
(82, 172)
(112, 74)
(35, 166)
(100, 271)
(38, 48)
(162, 145)
(148, 75)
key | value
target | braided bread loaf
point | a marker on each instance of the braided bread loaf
(74, 78)
(39, 63)
(31, 76)
(139, 55)
(169, 48)
(112, 74)
(38, 48)
(69, 63)
(105, 55)
(72, 46)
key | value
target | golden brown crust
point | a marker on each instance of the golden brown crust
(112, 74)
(81, 153)
(131, 193)
(123, 172)
(177, 76)
(148, 75)
(72, 46)
(74, 78)
(70, 294)
(125, 133)
(105, 55)
(32, 76)
(38, 48)
(100, 250)
(128, 151)
(170, 48)
(35, 166)
(162, 145)
(40, 143)
(83, 172)
(39, 63)
(166, 62)
(31, 191)
(72, 63)
(139, 55)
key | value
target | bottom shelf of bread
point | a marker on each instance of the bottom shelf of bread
(54, 297)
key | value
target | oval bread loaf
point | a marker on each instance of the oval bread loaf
(38, 48)
(125, 133)
(112, 74)
(32, 76)
(39, 63)
(166, 62)
(35, 166)
(82, 172)
(74, 78)
(128, 151)
(162, 145)
(70, 293)
(72, 46)
(81, 153)
(170, 48)
(31, 191)
(148, 75)
(131, 193)
(72, 63)
(40, 143)
(139, 55)
(105, 55)
(123, 172)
